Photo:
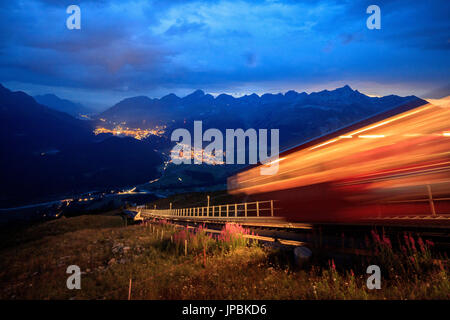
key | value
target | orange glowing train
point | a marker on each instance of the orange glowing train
(394, 164)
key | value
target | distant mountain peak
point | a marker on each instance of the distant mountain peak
(137, 99)
(171, 97)
(196, 94)
(293, 94)
(224, 96)
(346, 88)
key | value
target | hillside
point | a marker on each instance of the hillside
(63, 105)
(48, 154)
(35, 259)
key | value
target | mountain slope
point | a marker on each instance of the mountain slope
(62, 105)
(46, 153)
(28, 126)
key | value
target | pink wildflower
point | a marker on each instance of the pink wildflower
(421, 244)
(413, 245)
(375, 236)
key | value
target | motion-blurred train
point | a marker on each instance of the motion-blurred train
(396, 163)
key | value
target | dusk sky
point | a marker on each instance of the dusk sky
(128, 48)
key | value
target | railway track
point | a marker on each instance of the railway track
(340, 238)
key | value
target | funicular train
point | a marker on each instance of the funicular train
(396, 163)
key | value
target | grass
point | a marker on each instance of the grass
(226, 267)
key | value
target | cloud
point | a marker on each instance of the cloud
(182, 27)
(161, 46)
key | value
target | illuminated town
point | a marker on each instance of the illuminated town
(136, 133)
(201, 156)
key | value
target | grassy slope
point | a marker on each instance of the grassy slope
(34, 261)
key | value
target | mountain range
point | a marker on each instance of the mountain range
(48, 153)
(299, 116)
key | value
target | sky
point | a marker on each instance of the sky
(128, 48)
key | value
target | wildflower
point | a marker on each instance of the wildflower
(180, 236)
(405, 236)
(387, 242)
(331, 264)
(232, 232)
(403, 249)
(421, 244)
(375, 236)
(413, 246)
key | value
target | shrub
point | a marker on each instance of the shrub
(233, 236)
(411, 258)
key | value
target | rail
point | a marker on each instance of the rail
(429, 198)
(256, 209)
